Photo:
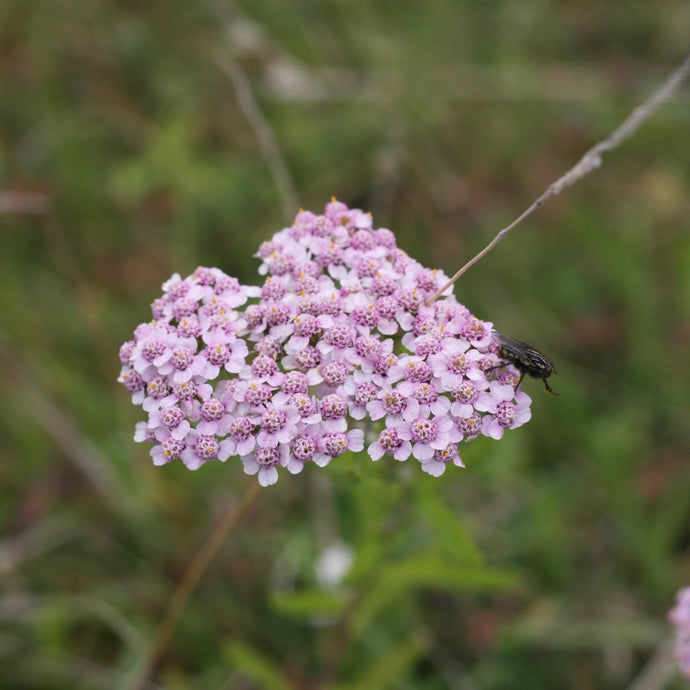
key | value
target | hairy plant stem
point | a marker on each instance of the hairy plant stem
(589, 162)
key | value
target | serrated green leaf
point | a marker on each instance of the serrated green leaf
(308, 603)
(432, 571)
(396, 580)
(450, 531)
(385, 669)
(256, 666)
(368, 557)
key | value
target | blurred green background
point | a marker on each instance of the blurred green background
(141, 139)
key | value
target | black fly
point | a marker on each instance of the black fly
(526, 359)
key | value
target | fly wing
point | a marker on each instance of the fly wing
(516, 347)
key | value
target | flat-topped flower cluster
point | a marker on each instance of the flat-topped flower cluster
(337, 342)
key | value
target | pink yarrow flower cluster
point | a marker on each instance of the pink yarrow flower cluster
(337, 341)
(680, 617)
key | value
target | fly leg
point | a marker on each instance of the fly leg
(548, 388)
